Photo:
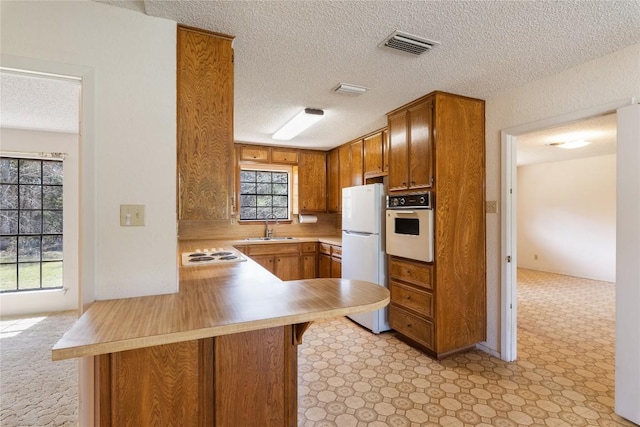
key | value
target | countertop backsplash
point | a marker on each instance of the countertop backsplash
(327, 225)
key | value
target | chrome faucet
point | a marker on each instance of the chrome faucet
(268, 232)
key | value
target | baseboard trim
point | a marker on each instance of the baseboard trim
(486, 349)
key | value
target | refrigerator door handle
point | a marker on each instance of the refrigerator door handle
(357, 233)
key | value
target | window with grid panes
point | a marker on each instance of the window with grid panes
(262, 193)
(30, 224)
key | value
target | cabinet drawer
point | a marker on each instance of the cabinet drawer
(411, 271)
(325, 248)
(336, 251)
(254, 153)
(284, 156)
(273, 249)
(309, 247)
(411, 298)
(413, 327)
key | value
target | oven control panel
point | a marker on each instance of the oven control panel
(410, 201)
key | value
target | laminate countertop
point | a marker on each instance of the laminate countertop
(213, 301)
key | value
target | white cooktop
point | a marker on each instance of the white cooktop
(211, 256)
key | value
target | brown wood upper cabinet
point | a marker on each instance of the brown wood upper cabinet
(312, 181)
(262, 154)
(411, 146)
(376, 154)
(284, 156)
(204, 124)
(334, 199)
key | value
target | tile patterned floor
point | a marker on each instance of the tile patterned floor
(349, 377)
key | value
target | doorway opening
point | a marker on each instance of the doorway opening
(39, 192)
(509, 212)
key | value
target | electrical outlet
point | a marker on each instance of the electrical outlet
(492, 206)
(132, 215)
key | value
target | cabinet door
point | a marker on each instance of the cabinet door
(356, 163)
(385, 151)
(398, 151)
(420, 145)
(204, 125)
(336, 268)
(345, 167)
(373, 154)
(309, 266)
(287, 267)
(312, 175)
(266, 261)
(160, 385)
(334, 200)
(280, 155)
(324, 265)
(253, 153)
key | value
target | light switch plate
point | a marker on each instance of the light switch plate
(492, 206)
(132, 215)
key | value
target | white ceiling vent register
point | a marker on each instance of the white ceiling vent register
(408, 43)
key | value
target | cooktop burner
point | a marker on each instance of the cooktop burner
(201, 258)
(221, 253)
(211, 256)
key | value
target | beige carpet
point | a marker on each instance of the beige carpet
(34, 391)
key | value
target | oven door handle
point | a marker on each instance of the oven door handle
(404, 212)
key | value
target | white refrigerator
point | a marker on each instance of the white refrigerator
(363, 252)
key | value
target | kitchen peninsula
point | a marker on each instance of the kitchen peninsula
(222, 351)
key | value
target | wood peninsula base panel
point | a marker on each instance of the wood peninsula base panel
(245, 379)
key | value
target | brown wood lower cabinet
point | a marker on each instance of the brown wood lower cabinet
(330, 261)
(419, 303)
(283, 260)
(246, 379)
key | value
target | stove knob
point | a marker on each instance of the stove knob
(422, 200)
(402, 201)
(395, 202)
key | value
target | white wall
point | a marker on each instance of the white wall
(628, 271)
(67, 298)
(567, 216)
(128, 153)
(608, 79)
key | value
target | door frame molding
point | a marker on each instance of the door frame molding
(508, 222)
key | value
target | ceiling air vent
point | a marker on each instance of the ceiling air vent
(408, 43)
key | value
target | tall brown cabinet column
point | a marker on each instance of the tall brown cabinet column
(205, 125)
(437, 143)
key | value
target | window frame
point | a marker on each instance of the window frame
(42, 234)
(267, 168)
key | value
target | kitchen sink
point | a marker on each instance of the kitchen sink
(268, 238)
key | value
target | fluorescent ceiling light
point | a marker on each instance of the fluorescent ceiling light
(302, 121)
(349, 89)
(570, 144)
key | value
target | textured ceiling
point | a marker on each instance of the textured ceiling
(290, 54)
(600, 131)
(39, 102)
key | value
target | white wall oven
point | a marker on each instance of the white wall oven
(409, 229)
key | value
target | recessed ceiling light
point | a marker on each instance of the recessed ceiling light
(570, 144)
(302, 121)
